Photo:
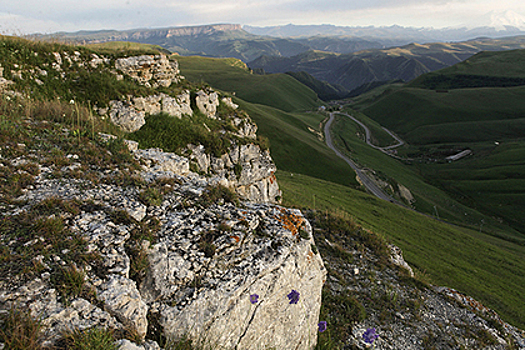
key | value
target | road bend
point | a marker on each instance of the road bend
(365, 180)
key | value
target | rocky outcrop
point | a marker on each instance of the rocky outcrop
(206, 264)
(207, 102)
(126, 116)
(246, 168)
(258, 250)
(149, 70)
(175, 106)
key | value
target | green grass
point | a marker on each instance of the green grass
(490, 121)
(407, 109)
(127, 48)
(276, 103)
(481, 265)
(277, 90)
(429, 198)
(491, 180)
(296, 149)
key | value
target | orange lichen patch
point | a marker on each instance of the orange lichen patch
(236, 238)
(290, 221)
(310, 256)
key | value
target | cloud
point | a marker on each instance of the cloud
(70, 15)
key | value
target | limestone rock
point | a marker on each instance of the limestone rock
(122, 299)
(125, 344)
(228, 102)
(210, 295)
(159, 161)
(207, 102)
(396, 256)
(246, 168)
(126, 117)
(150, 70)
(246, 128)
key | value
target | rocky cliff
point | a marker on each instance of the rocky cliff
(144, 246)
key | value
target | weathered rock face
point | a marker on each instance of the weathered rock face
(126, 116)
(208, 294)
(150, 70)
(174, 106)
(206, 261)
(207, 102)
(246, 168)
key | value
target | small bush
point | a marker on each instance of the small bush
(69, 282)
(151, 196)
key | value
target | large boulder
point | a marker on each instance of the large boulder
(223, 276)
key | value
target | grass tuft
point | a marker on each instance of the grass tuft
(19, 331)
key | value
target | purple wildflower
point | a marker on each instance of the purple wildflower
(293, 296)
(322, 326)
(370, 335)
(254, 298)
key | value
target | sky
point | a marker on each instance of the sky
(21, 17)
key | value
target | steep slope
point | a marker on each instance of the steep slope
(282, 107)
(102, 239)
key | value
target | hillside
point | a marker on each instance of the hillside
(282, 108)
(221, 40)
(110, 243)
(484, 119)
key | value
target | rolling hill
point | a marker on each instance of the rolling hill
(474, 109)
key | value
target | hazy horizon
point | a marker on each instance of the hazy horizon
(34, 16)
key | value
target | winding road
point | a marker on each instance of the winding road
(365, 180)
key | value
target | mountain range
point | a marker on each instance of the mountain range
(354, 70)
(347, 58)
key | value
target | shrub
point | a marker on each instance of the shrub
(218, 194)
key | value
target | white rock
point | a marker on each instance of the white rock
(122, 299)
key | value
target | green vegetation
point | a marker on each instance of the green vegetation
(296, 148)
(277, 90)
(90, 339)
(127, 48)
(485, 69)
(276, 103)
(486, 267)
(325, 91)
(19, 331)
(487, 120)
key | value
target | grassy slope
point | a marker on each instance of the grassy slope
(278, 90)
(485, 267)
(275, 103)
(426, 242)
(429, 198)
